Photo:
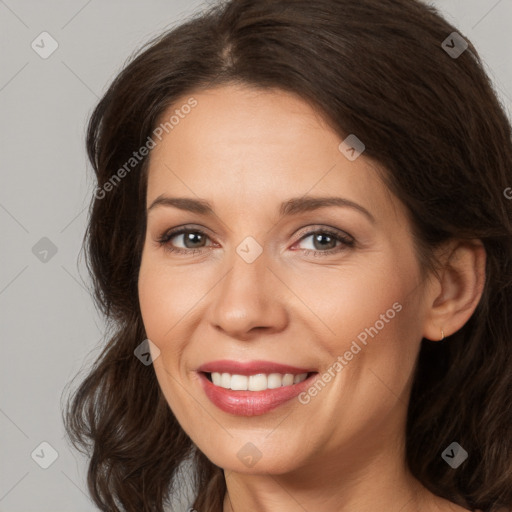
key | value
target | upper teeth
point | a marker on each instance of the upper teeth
(257, 382)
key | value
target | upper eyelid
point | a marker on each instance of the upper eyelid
(309, 230)
(180, 230)
(304, 230)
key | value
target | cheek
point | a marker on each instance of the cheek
(164, 298)
(374, 322)
(362, 301)
(152, 302)
(169, 298)
(161, 309)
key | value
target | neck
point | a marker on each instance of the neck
(364, 476)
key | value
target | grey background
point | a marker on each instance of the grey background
(49, 327)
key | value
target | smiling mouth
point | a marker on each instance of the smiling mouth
(256, 382)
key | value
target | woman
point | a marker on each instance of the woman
(302, 221)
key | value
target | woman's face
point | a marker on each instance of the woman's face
(249, 288)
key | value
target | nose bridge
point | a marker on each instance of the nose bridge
(246, 297)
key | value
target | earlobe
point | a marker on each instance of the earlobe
(459, 288)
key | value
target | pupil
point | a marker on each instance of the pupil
(190, 237)
(319, 237)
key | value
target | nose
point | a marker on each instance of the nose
(249, 300)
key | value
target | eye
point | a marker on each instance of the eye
(323, 241)
(192, 238)
(326, 240)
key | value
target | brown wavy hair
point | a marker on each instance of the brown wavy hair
(375, 68)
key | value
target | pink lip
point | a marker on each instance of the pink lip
(251, 403)
(250, 367)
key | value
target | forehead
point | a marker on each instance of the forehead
(244, 147)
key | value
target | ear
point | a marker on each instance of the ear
(455, 294)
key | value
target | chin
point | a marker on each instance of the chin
(242, 456)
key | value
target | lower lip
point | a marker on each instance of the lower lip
(252, 403)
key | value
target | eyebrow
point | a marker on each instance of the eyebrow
(290, 207)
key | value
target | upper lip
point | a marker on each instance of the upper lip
(250, 367)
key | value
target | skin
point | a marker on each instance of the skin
(246, 151)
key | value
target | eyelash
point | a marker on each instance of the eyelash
(346, 241)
